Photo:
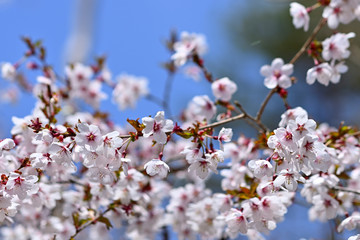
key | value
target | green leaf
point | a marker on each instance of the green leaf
(75, 217)
(184, 134)
(344, 176)
(106, 221)
(83, 221)
(244, 193)
(38, 43)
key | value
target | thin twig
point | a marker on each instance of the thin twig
(212, 125)
(71, 181)
(222, 122)
(264, 103)
(344, 189)
(309, 40)
(256, 124)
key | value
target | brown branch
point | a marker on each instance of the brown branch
(264, 103)
(222, 122)
(211, 125)
(255, 123)
(344, 189)
(309, 40)
(71, 181)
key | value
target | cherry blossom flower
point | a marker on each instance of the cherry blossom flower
(202, 107)
(278, 74)
(302, 126)
(78, 74)
(285, 138)
(157, 167)
(93, 94)
(89, 136)
(125, 165)
(193, 72)
(338, 12)
(261, 168)
(104, 175)
(300, 16)
(40, 160)
(110, 142)
(216, 157)
(355, 237)
(236, 223)
(336, 46)
(6, 144)
(10, 95)
(325, 208)
(225, 135)
(223, 89)
(337, 70)
(292, 114)
(191, 153)
(223, 201)
(7, 206)
(158, 127)
(322, 72)
(350, 223)
(21, 125)
(201, 167)
(61, 154)
(128, 90)
(22, 186)
(189, 43)
(8, 71)
(289, 179)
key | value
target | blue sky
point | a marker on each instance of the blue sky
(129, 33)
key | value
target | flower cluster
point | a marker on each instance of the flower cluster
(128, 90)
(77, 175)
(335, 50)
(189, 44)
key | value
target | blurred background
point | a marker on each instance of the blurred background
(242, 36)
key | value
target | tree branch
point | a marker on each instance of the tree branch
(264, 103)
(309, 40)
(344, 189)
(222, 122)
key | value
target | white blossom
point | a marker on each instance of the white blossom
(157, 167)
(300, 16)
(189, 43)
(322, 72)
(8, 71)
(158, 127)
(278, 74)
(223, 89)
